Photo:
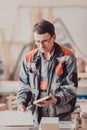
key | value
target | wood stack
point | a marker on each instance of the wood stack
(81, 65)
(11, 102)
(3, 107)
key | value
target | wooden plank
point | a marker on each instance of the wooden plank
(82, 83)
(8, 87)
(16, 118)
(3, 107)
(14, 128)
(82, 75)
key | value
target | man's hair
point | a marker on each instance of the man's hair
(44, 26)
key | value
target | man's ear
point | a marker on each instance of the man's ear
(54, 37)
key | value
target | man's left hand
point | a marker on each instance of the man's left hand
(51, 100)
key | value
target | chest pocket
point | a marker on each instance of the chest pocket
(32, 67)
(33, 77)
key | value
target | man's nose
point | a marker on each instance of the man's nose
(41, 43)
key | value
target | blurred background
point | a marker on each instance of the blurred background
(17, 18)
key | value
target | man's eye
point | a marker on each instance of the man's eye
(44, 41)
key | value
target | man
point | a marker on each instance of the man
(48, 70)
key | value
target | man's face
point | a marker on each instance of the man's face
(44, 42)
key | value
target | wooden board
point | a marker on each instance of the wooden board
(41, 100)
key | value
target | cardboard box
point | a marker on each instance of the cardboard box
(49, 123)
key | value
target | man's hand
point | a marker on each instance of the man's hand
(51, 100)
(21, 108)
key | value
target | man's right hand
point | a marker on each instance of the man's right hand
(21, 108)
